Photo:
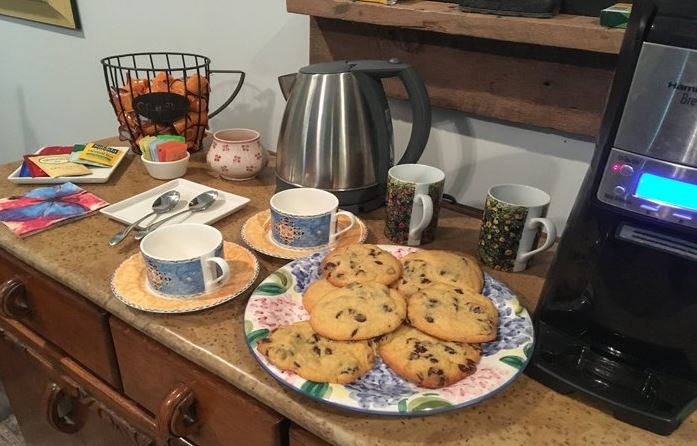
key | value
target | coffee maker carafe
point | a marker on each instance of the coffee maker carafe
(337, 133)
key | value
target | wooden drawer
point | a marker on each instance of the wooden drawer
(58, 314)
(301, 437)
(59, 403)
(189, 401)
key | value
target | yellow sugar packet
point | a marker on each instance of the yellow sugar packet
(97, 153)
(59, 166)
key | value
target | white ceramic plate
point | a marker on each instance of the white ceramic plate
(98, 175)
(131, 209)
(278, 301)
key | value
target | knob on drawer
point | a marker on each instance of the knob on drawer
(67, 421)
(13, 299)
(177, 415)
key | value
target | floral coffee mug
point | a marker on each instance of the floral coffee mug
(414, 192)
(513, 215)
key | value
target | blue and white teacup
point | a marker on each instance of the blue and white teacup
(185, 259)
(305, 218)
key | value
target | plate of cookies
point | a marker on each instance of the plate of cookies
(389, 330)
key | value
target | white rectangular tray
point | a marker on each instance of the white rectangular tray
(131, 209)
(98, 175)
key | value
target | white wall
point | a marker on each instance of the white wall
(51, 83)
(52, 90)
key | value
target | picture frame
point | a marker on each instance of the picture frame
(61, 13)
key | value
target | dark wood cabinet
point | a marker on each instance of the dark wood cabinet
(52, 409)
(188, 401)
(300, 437)
(75, 375)
(60, 315)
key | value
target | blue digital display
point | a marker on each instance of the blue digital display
(667, 191)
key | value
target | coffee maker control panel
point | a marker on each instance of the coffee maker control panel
(655, 188)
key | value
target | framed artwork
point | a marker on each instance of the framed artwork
(54, 12)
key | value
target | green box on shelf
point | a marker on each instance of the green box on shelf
(616, 16)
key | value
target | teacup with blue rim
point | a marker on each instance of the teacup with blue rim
(184, 260)
(305, 218)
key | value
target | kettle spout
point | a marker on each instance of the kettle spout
(286, 82)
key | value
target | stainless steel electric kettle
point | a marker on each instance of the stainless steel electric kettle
(336, 132)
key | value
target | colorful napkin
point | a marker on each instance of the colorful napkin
(44, 207)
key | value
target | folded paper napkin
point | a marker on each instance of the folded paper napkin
(44, 207)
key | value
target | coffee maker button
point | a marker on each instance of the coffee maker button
(626, 170)
(619, 190)
(394, 60)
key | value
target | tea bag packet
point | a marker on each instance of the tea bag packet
(103, 155)
(171, 138)
(59, 166)
(144, 144)
(75, 156)
(152, 148)
(171, 151)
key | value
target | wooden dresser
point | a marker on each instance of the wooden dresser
(75, 375)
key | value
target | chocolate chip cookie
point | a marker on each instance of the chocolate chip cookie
(299, 349)
(427, 361)
(423, 268)
(360, 263)
(358, 311)
(453, 314)
(317, 290)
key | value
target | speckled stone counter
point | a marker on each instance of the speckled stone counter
(526, 413)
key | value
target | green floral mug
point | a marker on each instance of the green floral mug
(413, 199)
(513, 215)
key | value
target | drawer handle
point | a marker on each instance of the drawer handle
(177, 416)
(13, 299)
(61, 411)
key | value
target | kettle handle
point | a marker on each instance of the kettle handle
(421, 115)
(418, 100)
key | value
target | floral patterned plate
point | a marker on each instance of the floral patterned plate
(278, 301)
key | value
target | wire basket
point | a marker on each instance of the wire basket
(162, 93)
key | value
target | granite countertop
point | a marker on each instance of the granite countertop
(527, 413)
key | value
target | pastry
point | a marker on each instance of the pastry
(358, 311)
(453, 314)
(360, 263)
(422, 268)
(317, 290)
(298, 349)
(427, 361)
(197, 85)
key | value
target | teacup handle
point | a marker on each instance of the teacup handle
(551, 231)
(224, 267)
(426, 217)
(347, 228)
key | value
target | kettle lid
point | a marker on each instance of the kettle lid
(345, 66)
(336, 67)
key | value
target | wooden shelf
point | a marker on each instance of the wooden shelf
(563, 31)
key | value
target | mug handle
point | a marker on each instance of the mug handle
(222, 263)
(234, 93)
(551, 231)
(415, 233)
(346, 229)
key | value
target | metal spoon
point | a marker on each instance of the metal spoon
(197, 204)
(163, 204)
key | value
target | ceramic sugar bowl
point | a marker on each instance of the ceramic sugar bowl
(237, 154)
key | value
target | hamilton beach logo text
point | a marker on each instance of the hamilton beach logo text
(685, 98)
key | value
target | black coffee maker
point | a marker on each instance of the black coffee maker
(618, 314)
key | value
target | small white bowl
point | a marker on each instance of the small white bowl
(168, 170)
